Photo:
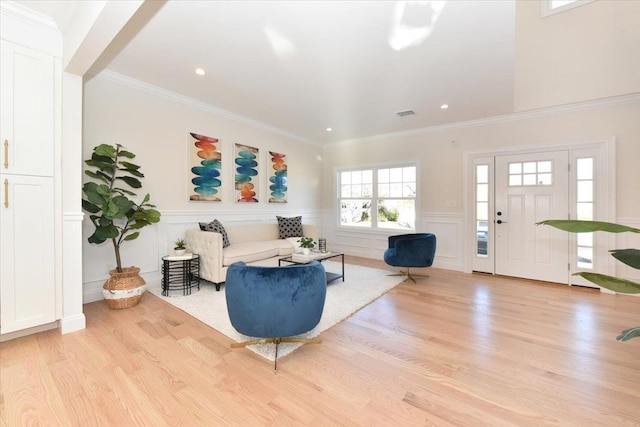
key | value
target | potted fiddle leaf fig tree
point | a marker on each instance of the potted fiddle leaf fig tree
(117, 216)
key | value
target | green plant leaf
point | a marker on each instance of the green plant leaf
(576, 226)
(630, 257)
(90, 189)
(105, 150)
(612, 283)
(129, 166)
(124, 205)
(627, 334)
(133, 182)
(97, 175)
(124, 191)
(132, 236)
(126, 154)
(89, 207)
(104, 233)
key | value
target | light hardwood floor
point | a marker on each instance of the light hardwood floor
(452, 350)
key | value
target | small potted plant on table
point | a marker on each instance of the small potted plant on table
(307, 243)
(180, 248)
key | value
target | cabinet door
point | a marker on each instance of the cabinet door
(27, 290)
(27, 87)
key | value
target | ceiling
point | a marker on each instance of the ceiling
(304, 66)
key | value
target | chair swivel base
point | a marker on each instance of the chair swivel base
(409, 275)
(276, 341)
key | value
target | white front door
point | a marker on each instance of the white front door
(530, 188)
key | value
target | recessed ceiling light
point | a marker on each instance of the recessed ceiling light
(444, 106)
(200, 71)
(329, 129)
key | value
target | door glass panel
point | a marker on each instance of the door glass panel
(531, 173)
(544, 179)
(482, 210)
(529, 167)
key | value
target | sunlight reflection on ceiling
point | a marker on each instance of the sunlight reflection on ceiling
(413, 22)
(281, 44)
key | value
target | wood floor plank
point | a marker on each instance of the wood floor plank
(453, 349)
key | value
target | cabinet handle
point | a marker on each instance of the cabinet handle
(6, 193)
(6, 154)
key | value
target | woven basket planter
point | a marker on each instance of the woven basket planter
(124, 290)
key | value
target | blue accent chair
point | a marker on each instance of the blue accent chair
(275, 303)
(411, 250)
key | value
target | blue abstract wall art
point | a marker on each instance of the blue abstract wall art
(278, 178)
(206, 163)
(246, 181)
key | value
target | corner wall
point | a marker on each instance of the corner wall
(155, 126)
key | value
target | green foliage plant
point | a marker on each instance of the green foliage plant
(180, 244)
(115, 216)
(630, 257)
(307, 242)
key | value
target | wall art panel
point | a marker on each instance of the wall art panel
(246, 180)
(206, 164)
(277, 177)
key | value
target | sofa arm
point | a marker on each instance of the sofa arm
(208, 245)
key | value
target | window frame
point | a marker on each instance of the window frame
(548, 10)
(375, 197)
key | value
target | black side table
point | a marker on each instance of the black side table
(180, 273)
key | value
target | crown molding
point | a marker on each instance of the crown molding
(193, 103)
(29, 16)
(525, 115)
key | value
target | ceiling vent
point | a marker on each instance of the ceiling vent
(405, 113)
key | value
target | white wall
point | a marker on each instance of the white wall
(588, 52)
(441, 167)
(155, 126)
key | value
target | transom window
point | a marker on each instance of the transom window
(382, 197)
(530, 173)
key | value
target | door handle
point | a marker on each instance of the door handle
(6, 154)
(6, 193)
(501, 221)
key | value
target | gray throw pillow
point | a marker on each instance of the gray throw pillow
(289, 227)
(216, 227)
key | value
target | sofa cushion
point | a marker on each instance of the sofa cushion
(248, 252)
(285, 247)
(289, 227)
(216, 227)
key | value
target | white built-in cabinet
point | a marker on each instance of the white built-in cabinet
(29, 82)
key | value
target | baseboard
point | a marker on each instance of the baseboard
(72, 324)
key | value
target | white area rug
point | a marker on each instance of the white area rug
(362, 285)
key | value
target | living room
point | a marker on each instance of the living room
(591, 99)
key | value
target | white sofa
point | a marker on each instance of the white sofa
(248, 243)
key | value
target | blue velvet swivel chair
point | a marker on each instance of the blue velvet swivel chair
(411, 250)
(275, 303)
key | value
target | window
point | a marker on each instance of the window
(482, 210)
(585, 209)
(530, 173)
(378, 197)
(550, 7)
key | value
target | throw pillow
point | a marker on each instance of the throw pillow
(216, 227)
(289, 227)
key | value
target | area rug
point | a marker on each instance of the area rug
(362, 285)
